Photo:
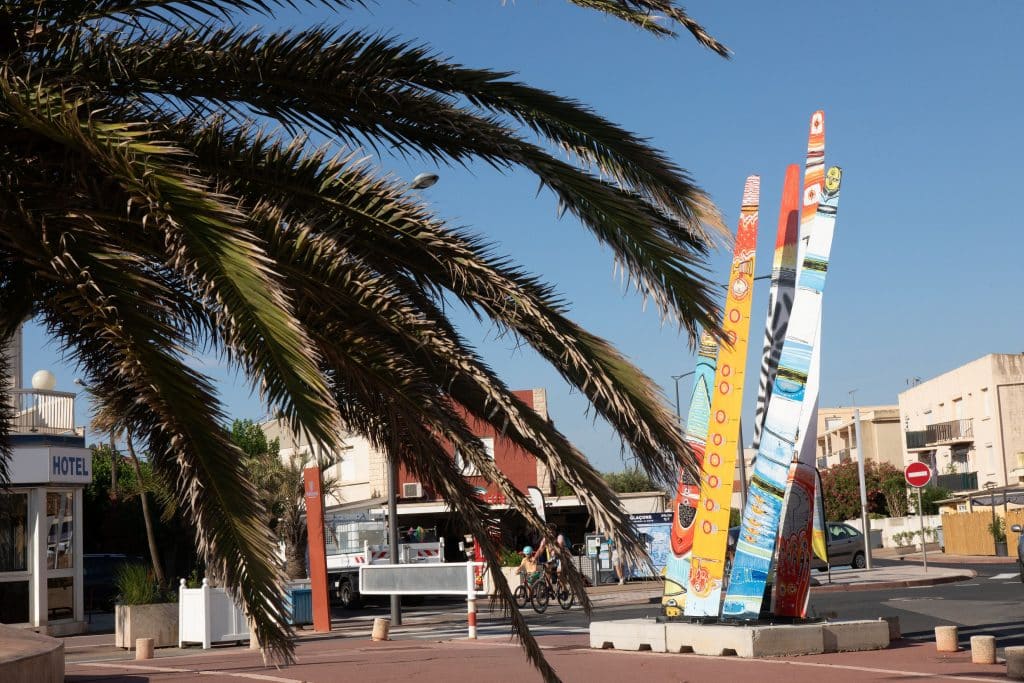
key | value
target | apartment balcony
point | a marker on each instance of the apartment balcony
(963, 481)
(952, 432)
(843, 455)
(43, 412)
(917, 440)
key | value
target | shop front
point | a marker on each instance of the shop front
(41, 516)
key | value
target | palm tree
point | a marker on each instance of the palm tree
(148, 215)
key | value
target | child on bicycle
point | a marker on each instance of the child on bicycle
(529, 566)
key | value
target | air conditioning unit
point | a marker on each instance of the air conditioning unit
(412, 490)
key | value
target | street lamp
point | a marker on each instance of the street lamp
(420, 182)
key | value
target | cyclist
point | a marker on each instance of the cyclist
(529, 565)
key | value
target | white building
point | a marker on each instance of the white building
(968, 423)
(41, 513)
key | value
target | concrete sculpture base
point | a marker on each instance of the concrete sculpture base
(740, 640)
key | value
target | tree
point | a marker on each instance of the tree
(841, 490)
(929, 497)
(629, 481)
(160, 198)
(281, 489)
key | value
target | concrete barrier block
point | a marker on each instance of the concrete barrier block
(786, 640)
(1014, 662)
(628, 634)
(715, 640)
(894, 628)
(853, 636)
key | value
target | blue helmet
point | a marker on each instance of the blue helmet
(528, 550)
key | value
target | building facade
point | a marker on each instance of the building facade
(880, 431)
(41, 575)
(968, 423)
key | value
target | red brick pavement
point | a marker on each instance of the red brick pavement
(498, 660)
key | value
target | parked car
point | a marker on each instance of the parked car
(99, 579)
(845, 547)
(1019, 530)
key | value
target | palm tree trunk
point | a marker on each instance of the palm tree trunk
(154, 554)
(113, 468)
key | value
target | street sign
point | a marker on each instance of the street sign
(917, 474)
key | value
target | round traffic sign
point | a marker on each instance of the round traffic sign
(917, 474)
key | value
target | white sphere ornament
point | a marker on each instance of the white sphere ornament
(44, 380)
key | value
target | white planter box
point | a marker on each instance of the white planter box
(208, 615)
(156, 621)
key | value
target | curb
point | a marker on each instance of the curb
(884, 585)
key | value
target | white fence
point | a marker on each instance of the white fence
(894, 525)
(208, 615)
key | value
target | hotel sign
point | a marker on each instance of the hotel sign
(51, 465)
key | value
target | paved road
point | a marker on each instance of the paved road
(989, 604)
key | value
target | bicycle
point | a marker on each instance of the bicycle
(547, 587)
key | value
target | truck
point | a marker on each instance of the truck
(352, 544)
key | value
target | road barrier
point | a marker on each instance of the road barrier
(449, 578)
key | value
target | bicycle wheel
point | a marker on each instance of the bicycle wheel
(541, 597)
(521, 596)
(565, 598)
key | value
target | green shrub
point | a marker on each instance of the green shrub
(136, 585)
(510, 558)
(998, 530)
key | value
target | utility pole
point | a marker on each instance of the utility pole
(864, 521)
(676, 378)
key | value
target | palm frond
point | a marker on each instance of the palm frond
(651, 15)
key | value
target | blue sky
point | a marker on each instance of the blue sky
(922, 105)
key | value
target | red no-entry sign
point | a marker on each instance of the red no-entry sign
(917, 474)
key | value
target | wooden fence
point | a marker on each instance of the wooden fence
(967, 533)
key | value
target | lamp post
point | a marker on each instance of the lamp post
(421, 182)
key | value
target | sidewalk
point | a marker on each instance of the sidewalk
(498, 659)
(944, 558)
(880, 578)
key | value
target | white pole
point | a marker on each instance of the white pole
(471, 600)
(865, 523)
(920, 517)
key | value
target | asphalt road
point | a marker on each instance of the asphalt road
(991, 604)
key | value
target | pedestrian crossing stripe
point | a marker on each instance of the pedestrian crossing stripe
(1007, 575)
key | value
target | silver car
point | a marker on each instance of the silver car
(845, 546)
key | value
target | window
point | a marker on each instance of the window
(987, 401)
(60, 538)
(837, 532)
(468, 468)
(958, 408)
(13, 533)
(14, 543)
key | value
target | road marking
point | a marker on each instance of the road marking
(1008, 575)
(198, 672)
(847, 667)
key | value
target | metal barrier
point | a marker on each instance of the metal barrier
(449, 578)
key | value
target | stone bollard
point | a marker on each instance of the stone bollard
(143, 648)
(983, 649)
(1015, 662)
(894, 627)
(381, 628)
(946, 639)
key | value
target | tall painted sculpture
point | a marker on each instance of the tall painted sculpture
(780, 293)
(761, 516)
(711, 529)
(684, 506)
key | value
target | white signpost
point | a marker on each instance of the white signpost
(918, 475)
